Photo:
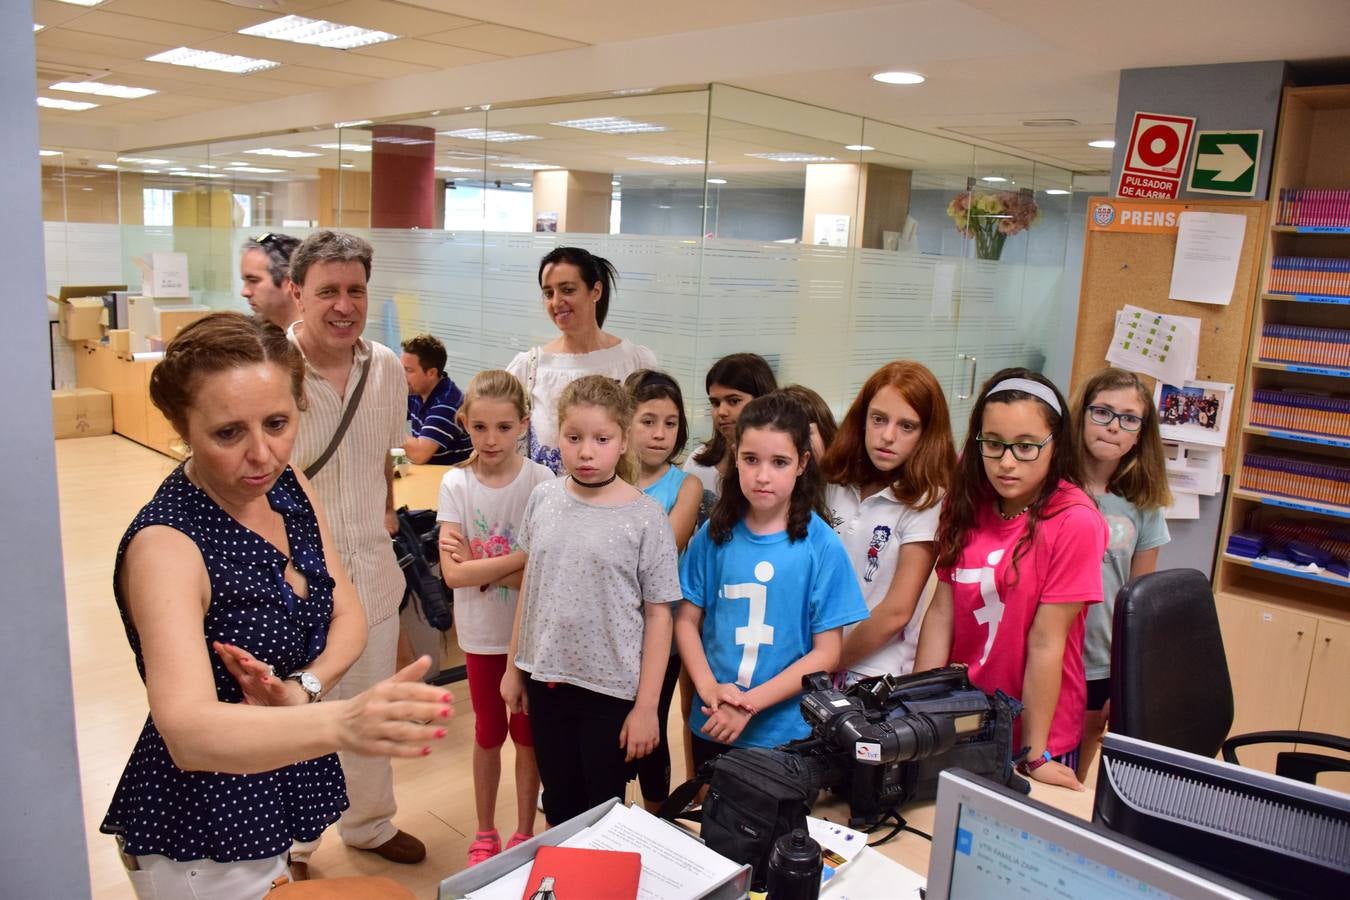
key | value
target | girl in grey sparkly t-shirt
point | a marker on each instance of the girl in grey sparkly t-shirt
(593, 624)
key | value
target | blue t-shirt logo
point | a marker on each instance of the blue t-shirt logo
(756, 632)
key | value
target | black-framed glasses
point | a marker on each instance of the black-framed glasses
(1102, 415)
(1023, 451)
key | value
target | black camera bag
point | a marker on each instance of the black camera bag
(754, 796)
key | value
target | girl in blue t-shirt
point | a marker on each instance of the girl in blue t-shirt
(657, 436)
(1121, 452)
(767, 588)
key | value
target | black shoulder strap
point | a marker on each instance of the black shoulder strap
(313, 468)
(677, 803)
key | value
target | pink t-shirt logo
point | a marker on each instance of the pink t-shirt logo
(992, 612)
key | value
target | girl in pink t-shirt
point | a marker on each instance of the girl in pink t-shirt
(1019, 559)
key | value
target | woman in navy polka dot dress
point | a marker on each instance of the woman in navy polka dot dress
(240, 615)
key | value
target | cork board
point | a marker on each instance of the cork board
(1122, 268)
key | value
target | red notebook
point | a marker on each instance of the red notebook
(586, 874)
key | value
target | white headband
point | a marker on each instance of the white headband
(1034, 388)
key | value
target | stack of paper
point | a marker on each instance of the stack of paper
(675, 865)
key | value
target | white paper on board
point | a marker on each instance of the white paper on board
(1209, 245)
(1184, 506)
(1164, 347)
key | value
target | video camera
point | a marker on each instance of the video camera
(883, 741)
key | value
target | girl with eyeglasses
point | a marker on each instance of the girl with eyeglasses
(1123, 469)
(1019, 561)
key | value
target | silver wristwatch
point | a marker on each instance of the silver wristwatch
(309, 683)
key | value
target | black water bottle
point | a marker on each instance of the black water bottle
(794, 867)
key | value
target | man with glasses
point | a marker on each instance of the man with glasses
(265, 268)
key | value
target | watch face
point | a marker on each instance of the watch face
(310, 683)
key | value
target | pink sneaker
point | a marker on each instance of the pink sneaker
(486, 844)
(517, 839)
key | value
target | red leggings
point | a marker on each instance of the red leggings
(490, 724)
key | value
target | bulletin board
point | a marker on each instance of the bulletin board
(1122, 268)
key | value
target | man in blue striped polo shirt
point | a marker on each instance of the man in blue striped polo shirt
(433, 400)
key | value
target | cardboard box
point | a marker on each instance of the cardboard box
(173, 320)
(119, 341)
(80, 318)
(81, 412)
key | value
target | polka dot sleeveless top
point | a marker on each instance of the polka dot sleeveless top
(159, 808)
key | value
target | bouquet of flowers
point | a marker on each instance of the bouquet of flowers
(990, 217)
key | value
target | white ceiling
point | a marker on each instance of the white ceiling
(991, 64)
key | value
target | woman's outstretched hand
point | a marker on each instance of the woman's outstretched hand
(400, 716)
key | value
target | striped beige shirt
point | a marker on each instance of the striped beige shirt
(351, 486)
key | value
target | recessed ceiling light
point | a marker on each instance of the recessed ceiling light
(464, 154)
(83, 2)
(149, 171)
(73, 105)
(37, 27)
(1104, 144)
(49, 153)
(209, 59)
(793, 157)
(455, 169)
(177, 168)
(185, 174)
(288, 154)
(1057, 192)
(521, 184)
(858, 148)
(717, 181)
(206, 166)
(529, 166)
(321, 33)
(255, 170)
(994, 179)
(399, 139)
(143, 161)
(669, 160)
(346, 148)
(899, 78)
(611, 125)
(353, 123)
(106, 166)
(492, 137)
(120, 91)
(347, 165)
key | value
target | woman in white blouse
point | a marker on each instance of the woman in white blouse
(576, 286)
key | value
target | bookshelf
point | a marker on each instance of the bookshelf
(1287, 625)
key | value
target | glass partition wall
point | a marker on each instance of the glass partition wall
(826, 242)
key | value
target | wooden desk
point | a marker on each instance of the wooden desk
(420, 488)
(912, 851)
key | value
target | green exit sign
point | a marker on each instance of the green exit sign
(1226, 162)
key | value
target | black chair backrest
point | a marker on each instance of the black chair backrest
(1169, 675)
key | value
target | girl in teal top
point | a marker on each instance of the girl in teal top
(657, 436)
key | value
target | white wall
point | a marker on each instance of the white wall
(42, 847)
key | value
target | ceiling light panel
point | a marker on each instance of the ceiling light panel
(492, 137)
(254, 169)
(612, 125)
(456, 169)
(72, 105)
(669, 160)
(288, 154)
(120, 91)
(529, 166)
(49, 153)
(793, 157)
(345, 148)
(209, 59)
(83, 2)
(397, 139)
(318, 32)
(353, 123)
(143, 160)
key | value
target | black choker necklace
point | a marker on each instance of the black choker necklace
(593, 484)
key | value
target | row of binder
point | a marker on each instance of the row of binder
(1298, 411)
(1314, 207)
(1310, 275)
(1291, 475)
(1305, 344)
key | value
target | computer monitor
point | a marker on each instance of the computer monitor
(989, 841)
(1275, 834)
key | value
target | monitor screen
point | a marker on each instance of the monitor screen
(989, 841)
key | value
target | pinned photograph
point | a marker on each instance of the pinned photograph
(1196, 412)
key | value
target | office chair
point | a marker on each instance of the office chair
(1169, 677)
